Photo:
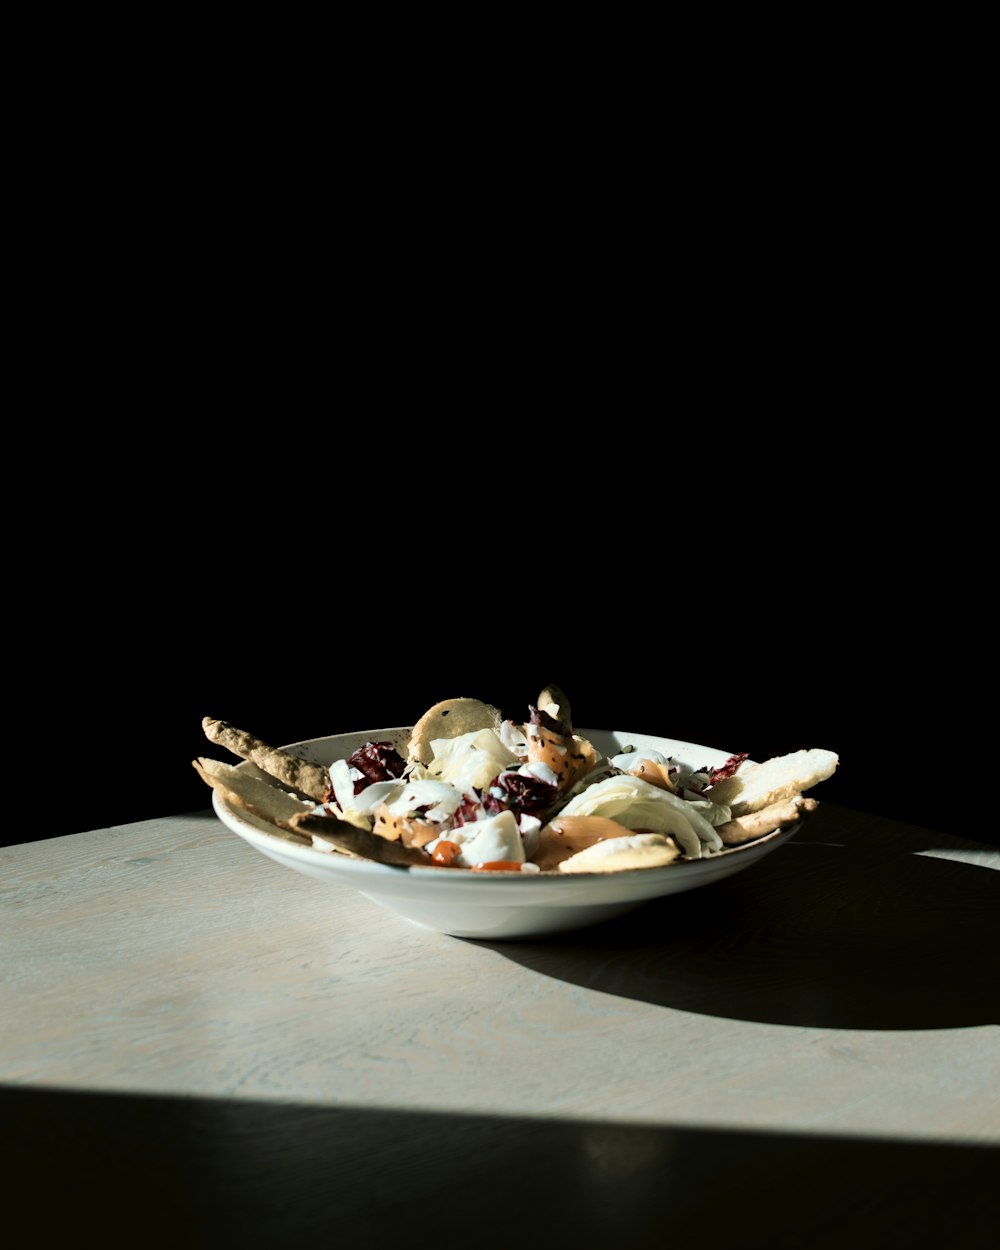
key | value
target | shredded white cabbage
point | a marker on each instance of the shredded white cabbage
(715, 813)
(471, 760)
(441, 799)
(637, 804)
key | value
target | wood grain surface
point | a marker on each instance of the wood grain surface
(228, 1021)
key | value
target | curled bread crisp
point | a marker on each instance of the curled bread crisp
(569, 758)
(551, 740)
(756, 824)
(553, 702)
(300, 775)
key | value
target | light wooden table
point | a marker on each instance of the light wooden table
(199, 1047)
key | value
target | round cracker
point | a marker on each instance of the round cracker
(450, 719)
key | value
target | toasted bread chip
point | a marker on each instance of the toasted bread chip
(450, 719)
(300, 775)
(361, 842)
(756, 786)
(756, 824)
(242, 789)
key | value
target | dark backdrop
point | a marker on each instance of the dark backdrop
(704, 506)
(298, 603)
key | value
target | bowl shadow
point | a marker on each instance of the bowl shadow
(824, 933)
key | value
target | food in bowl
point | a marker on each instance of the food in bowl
(470, 790)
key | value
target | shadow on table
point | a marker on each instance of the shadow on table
(113, 1170)
(856, 934)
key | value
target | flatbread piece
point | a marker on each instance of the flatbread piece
(450, 719)
(756, 786)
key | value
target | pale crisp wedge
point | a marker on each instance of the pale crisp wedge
(242, 789)
(755, 824)
(756, 786)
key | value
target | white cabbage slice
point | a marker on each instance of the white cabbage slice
(715, 813)
(471, 760)
(441, 799)
(637, 804)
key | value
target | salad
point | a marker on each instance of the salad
(472, 790)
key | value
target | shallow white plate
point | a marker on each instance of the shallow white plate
(499, 905)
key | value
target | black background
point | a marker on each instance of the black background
(749, 589)
(718, 481)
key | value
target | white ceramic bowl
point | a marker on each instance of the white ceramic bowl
(499, 905)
